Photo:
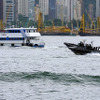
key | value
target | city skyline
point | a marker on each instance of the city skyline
(51, 9)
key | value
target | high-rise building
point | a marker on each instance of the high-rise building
(52, 9)
(61, 9)
(36, 2)
(37, 11)
(31, 4)
(44, 8)
(8, 11)
(91, 10)
(97, 8)
(82, 6)
(77, 10)
(73, 10)
(23, 7)
(16, 10)
(1, 9)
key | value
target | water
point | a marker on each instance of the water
(50, 73)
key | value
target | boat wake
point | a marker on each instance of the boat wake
(94, 54)
(56, 77)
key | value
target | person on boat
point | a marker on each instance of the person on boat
(88, 46)
(81, 44)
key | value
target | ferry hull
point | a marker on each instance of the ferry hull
(11, 45)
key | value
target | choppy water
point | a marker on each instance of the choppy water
(50, 73)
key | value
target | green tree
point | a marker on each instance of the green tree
(57, 22)
(23, 20)
(47, 23)
(32, 23)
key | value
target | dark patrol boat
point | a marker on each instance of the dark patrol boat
(82, 48)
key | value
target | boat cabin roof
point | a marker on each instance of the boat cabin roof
(21, 28)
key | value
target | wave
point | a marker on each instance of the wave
(57, 77)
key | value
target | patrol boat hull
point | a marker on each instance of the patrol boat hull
(82, 50)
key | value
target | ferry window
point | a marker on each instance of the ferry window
(29, 31)
(3, 39)
(15, 31)
(9, 31)
(12, 31)
(18, 31)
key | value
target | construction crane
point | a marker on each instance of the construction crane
(82, 26)
(93, 25)
(98, 24)
(1, 25)
(40, 22)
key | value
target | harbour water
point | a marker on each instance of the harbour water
(50, 73)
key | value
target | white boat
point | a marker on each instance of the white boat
(21, 37)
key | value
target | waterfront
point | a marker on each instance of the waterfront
(50, 73)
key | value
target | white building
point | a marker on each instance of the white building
(23, 7)
(74, 9)
(77, 10)
(97, 8)
(68, 10)
(61, 9)
(44, 7)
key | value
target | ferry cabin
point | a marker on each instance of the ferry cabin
(20, 37)
(11, 38)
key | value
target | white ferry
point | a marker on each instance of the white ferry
(21, 37)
